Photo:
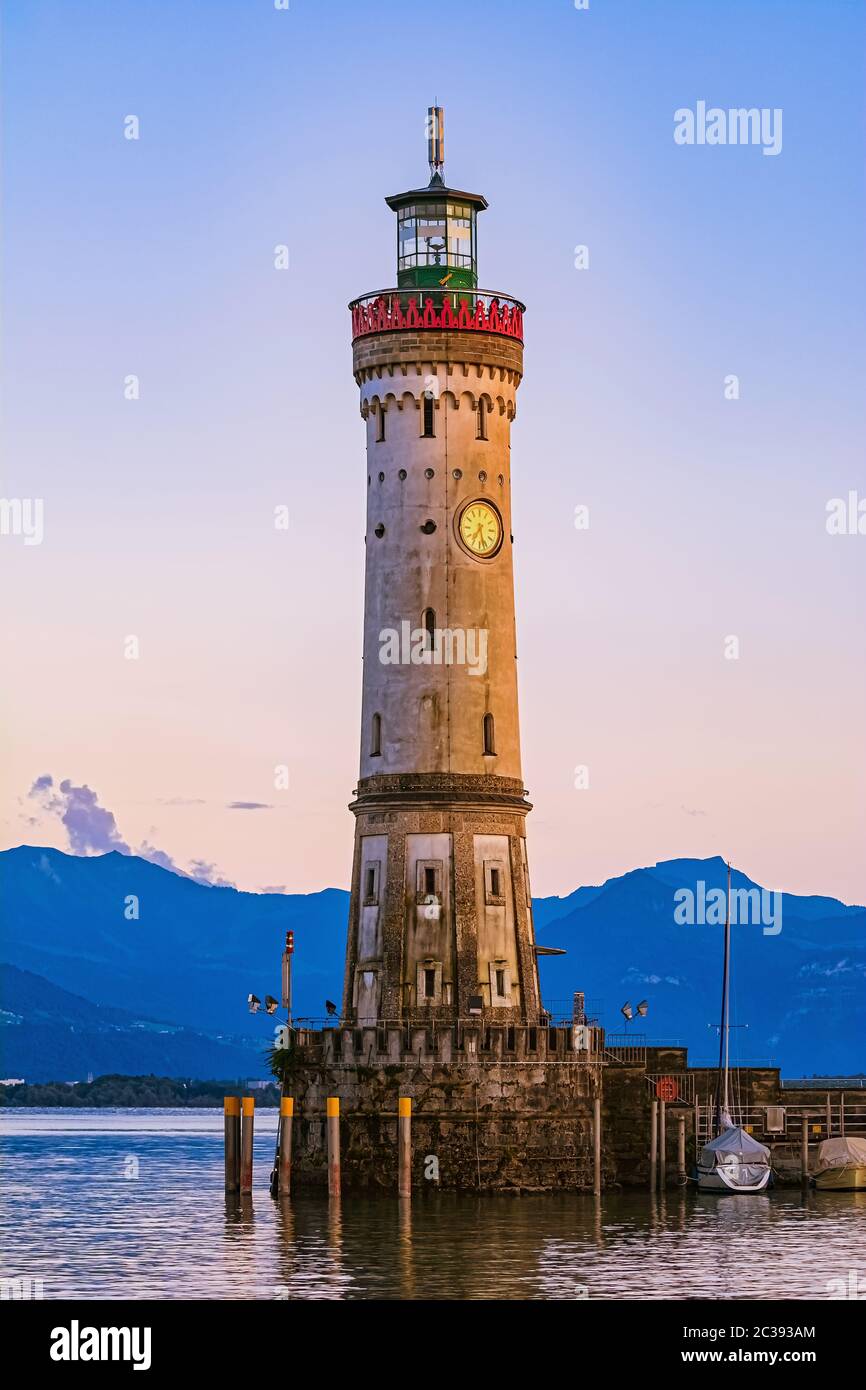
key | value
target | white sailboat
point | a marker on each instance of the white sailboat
(733, 1161)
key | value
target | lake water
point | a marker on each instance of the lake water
(129, 1204)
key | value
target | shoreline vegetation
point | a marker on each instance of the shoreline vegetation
(135, 1092)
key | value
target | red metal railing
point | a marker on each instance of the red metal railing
(469, 311)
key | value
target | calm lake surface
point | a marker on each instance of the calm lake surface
(129, 1204)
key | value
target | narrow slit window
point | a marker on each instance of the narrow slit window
(429, 984)
(500, 983)
(429, 406)
(494, 886)
(430, 882)
(376, 737)
(489, 743)
(371, 884)
(380, 426)
(481, 420)
(429, 629)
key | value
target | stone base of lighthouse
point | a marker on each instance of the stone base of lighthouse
(440, 923)
(494, 1109)
(442, 1005)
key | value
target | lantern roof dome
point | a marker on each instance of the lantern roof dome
(435, 191)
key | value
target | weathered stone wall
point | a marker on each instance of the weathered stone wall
(379, 352)
(482, 1126)
(626, 1125)
(628, 1094)
(510, 1110)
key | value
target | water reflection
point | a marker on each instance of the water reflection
(103, 1209)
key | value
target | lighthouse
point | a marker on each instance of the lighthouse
(444, 1065)
(440, 924)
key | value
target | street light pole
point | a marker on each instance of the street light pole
(288, 952)
(282, 1157)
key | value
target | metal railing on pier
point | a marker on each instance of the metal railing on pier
(632, 1048)
(778, 1124)
(825, 1083)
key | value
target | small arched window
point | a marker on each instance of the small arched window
(376, 736)
(489, 743)
(429, 621)
(429, 406)
(380, 425)
(481, 419)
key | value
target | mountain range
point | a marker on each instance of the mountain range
(48, 1034)
(131, 957)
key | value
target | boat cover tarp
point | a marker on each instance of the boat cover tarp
(840, 1153)
(753, 1159)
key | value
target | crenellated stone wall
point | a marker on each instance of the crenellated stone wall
(493, 1109)
(498, 1108)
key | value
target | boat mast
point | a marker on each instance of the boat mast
(724, 1028)
(727, 988)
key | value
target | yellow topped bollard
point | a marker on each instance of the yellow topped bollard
(404, 1146)
(333, 1121)
(232, 1111)
(284, 1170)
(248, 1112)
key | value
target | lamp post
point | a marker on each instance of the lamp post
(288, 952)
(283, 1033)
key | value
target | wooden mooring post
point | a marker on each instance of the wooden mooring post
(663, 1140)
(654, 1139)
(248, 1113)
(232, 1113)
(284, 1166)
(333, 1123)
(681, 1146)
(404, 1146)
(596, 1146)
(804, 1153)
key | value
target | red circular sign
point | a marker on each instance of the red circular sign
(666, 1088)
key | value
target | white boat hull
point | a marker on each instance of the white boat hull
(727, 1179)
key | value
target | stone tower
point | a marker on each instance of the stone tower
(440, 925)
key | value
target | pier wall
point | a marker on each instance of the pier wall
(771, 1111)
(481, 1120)
(511, 1110)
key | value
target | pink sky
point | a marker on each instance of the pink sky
(707, 516)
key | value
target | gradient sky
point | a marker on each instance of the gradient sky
(707, 516)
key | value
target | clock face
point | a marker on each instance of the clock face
(480, 529)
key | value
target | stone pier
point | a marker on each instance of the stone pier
(494, 1109)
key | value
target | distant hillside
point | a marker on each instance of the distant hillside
(798, 997)
(48, 1034)
(192, 956)
(196, 952)
(164, 1092)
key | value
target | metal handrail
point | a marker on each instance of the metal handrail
(825, 1083)
(847, 1119)
(641, 1040)
(741, 1064)
(332, 1023)
(422, 291)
